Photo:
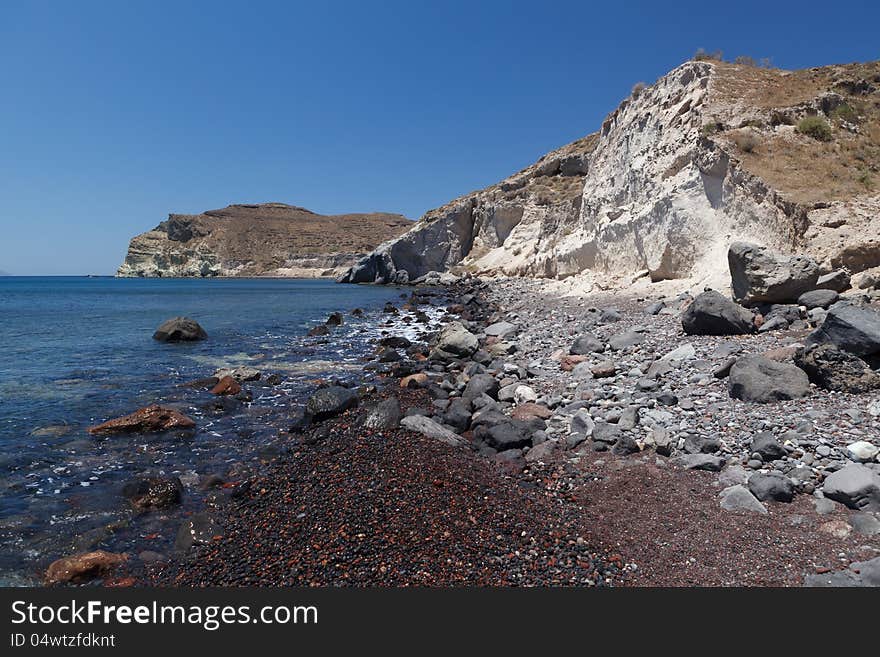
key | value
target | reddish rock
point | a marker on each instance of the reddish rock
(226, 386)
(604, 370)
(413, 380)
(145, 420)
(567, 363)
(782, 354)
(83, 566)
(530, 410)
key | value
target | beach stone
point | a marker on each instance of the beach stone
(818, 299)
(832, 369)
(150, 419)
(733, 475)
(428, 427)
(81, 567)
(605, 432)
(179, 329)
(481, 384)
(385, 415)
(701, 462)
(586, 344)
(625, 445)
(771, 486)
(850, 328)
(542, 452)
(768, 447)
(740, 498)
(626, 340)
(697, 444)
(198, 529)
(603, 370)
(395, 341)
(414, 380)
(869, 571)
(862, 451)
(529, 410)
(456, 341)
(856, 485)
(836, 528)
(710, 313)
(240, 374)
(226, 386)
(866, 524)
(153, 492)
(501, 329)
(457, 415)
(523, 394)
(761, 380)
(330, 402)
(758, 275)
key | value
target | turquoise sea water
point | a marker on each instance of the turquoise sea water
(76, 351)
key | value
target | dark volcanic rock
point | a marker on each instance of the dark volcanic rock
(335, 319)
(145, 420)
(586, 344)
(818, 298)
(385, 415)
(153, 492)
(768, 447)
(759, 379)
(832, 369)
(771, 486)
(180, 329)
(710, 313)
(321, 329)
(851, 328)
(199, 529)
(331, 401)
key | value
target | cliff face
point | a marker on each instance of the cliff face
(268, 239)
(709, 154)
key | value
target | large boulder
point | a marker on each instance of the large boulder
(180, 329)
(710, 313)
(759, 275)
(832, 369)
(852, 328)
(456, 342)
(481, 384)
(330, 402)
(857, 486)
(150, 419)
(771, 486)
(759, 379)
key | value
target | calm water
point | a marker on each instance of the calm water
(77, 351)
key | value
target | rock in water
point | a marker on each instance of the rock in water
(759, 379)
(456, 342)
(857, 486)
(81, 567)
(832, 369)
(330, 402)
(145, 420)
(153, 492)
(226, 386)
(710, 313)
(760, 276)
(180, 329)
(851, 328)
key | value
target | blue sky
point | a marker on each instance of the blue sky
(115, 114)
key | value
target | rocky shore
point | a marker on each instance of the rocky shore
(614, 439)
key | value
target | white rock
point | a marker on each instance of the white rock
(862, 451)
(524, 394)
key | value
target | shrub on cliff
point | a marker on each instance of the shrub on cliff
(815, 127)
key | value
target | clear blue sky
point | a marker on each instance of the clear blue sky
(114, 114)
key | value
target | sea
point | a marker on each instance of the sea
(79, 350)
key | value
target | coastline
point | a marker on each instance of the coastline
(642, 517)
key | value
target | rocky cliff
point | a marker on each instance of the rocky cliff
(711, 153)
(267, 239)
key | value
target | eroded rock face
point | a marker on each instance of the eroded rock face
(151, 419)
(758, 275)
(256, 240)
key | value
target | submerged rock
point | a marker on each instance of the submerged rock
(80, 567)
(150, 419)
(153, 492)
(180, 329)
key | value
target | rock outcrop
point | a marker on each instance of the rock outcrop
(267, 239)
(707, 156)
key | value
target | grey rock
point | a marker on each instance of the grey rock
(501, 329)
(856, 485)
(837, 280)
(428, 427)
(761, 380)
(331, 401)
(626, 340)
(866, 524)
(385, 415)
(818, 298)
(850, 328)
(771, 486)
(710, 313)
(759, 275)
(767, 446)
(586, 344)
(701, 462)
(625, 445)
(481, 384)
(456, 341)
(740, 498)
